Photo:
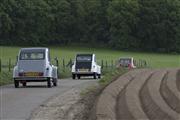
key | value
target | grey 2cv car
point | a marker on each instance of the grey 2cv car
(34, 65)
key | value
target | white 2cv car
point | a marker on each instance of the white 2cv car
(85, 65)
(34, 65)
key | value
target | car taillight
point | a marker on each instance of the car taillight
(21, 74)
(41, 74)
(130, 66)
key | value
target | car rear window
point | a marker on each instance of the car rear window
(32, 55)
(84, 58)
(125, 61)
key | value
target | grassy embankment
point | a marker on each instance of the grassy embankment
(67, 53)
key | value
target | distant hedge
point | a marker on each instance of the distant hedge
(143, 25)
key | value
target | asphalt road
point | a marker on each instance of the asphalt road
(18, 103)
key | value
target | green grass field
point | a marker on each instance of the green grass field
(67, 53)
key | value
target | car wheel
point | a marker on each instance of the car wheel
(55, 82)
(99, 76)
(95, 75)
(16, 83)
(73, 76)
(49, 83)
(24, 84)
(79, 76)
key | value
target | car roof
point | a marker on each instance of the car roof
(35, 48)
(85, 54)
(40, 49)
(126, 58)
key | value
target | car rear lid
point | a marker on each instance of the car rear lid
(83, 61)
(83, 65)
(31, 65)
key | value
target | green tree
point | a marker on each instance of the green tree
(102, 33)
(159, 26)
(39, 22)
(123, 19)
(63, 22)
(6, 23)
(147, 25)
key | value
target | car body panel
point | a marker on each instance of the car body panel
(33, 68)
(86, 68)
(126, 62)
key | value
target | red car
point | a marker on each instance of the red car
(127, 62)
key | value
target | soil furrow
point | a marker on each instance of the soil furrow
(152, 102)
(170, 92)
(121, 109)
(178, 80)
(106, 105)
(142, 95)
(129, 106)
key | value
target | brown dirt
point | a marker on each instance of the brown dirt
(169, 90)
(178, 80)
(151, 107)
(106, 105)
(127, 97)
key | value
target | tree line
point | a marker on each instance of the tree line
(141, 25)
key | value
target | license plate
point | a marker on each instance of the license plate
(31, 74)
(83, 70)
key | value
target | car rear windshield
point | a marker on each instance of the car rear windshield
(84, 58)
(125, 61)
(32, 55)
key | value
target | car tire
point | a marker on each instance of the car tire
(79, 76)
(73, 76)
(95, 76)
(16, 83)
(24, 84)
(99, 76)
(55, 82)
(49, 85)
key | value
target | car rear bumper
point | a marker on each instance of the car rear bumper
(83, 73)
(31, 79)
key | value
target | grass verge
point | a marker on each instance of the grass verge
(64, 73)
(110, 76)
(5, 78)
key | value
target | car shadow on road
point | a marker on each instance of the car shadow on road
(35, 86)
(87, 78)
(29, 86)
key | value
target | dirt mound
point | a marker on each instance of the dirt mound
(141, 94)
